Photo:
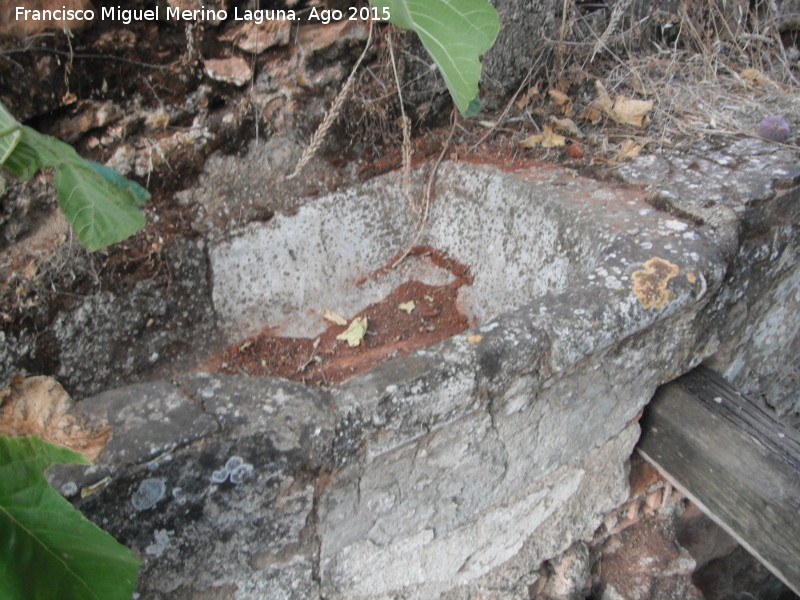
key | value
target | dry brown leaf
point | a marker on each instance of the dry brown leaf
(592, 113)
(30, 271)
(628, 111)
(755, 77)
(551, 139)
(40, 406)
(603, 101)
(567, 125)
(624, 110)
(531, 141)
(629, 149)
(531, 93)
(563, 101)
(547, 139)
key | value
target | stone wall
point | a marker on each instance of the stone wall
(457, 470)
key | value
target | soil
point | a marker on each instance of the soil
(392, 332)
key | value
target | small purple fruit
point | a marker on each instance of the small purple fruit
(775, 128)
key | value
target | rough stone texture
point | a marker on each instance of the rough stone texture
(255, 187)
(109, 337)
(206, 523)
(748, 193)
(548, 229)
(234, 70)
(524, 27)
(570, 575)
(464, 451)
(534, 429)
(455, 471)
(762, 357)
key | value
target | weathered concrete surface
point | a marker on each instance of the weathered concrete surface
(455, 471)
(110, 337)
(521, 235)
(764, 358)
(219, 505)
(747, 191)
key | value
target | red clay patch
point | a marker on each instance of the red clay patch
(391, 333)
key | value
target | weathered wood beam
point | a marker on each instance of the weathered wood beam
(731, 457)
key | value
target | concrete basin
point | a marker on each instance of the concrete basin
(454, 471)
(522, 236)
(450, 458)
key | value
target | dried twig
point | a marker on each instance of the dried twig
(428, 193)
(406, 131)
(330, 118)
(620, 6)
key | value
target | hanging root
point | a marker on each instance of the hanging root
(426, 200)
(406, 134)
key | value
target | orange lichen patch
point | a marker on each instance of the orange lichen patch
(650, 283)
(691, 277)
(40, 406)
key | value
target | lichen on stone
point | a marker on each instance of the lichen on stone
(650, 283)
(236, 468)
(149, 493)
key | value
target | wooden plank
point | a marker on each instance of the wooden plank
(731, 457)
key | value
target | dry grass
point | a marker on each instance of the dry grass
(714, 67)
(711, 67)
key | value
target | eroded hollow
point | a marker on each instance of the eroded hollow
(493, 242)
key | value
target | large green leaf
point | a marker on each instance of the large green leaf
(100, 204)
(9, 133)
(455, 33)
(133, 191)
(48, 550)
(20, 162)
(101, 212)
(26, 158)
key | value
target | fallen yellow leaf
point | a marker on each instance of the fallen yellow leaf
(355, 332)
(333, 317)
(628, 111)
(623, 110)
(547, 139)
(474, 339)
(567, 125)
(407, 306)
(603, 99)
(630, 149)
(561, 100)
(754, 77)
